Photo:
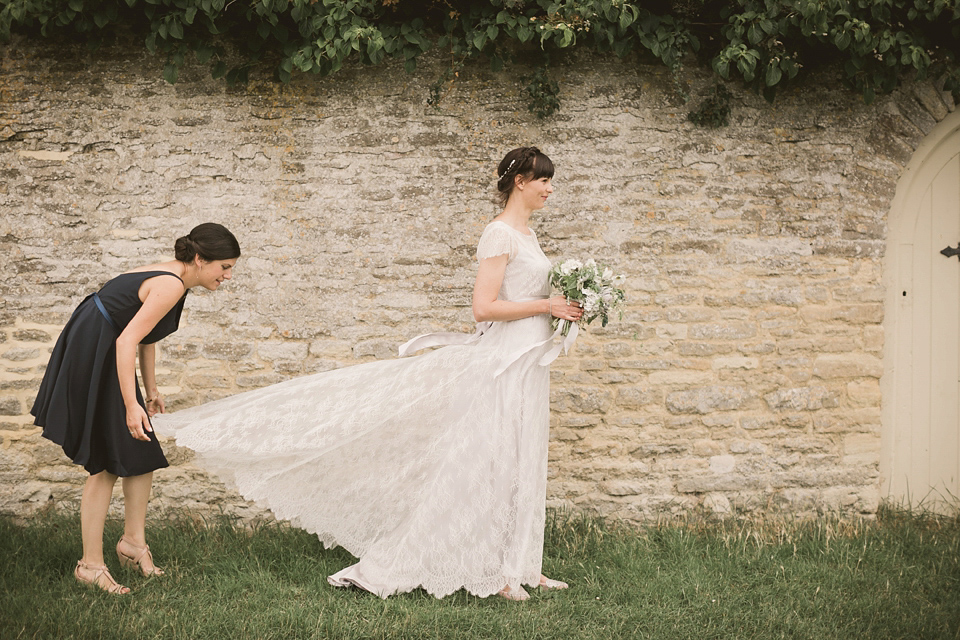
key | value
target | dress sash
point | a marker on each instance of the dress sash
(103, 310)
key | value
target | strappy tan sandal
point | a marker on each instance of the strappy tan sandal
(517, 595)
(101, 578)
(136, 561)
(552, 585)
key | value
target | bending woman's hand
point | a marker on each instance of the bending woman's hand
(561, 308)
(155, 405)
(137, 422)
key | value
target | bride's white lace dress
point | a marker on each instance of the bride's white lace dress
(430, 469)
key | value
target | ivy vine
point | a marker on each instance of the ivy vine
(765, 44)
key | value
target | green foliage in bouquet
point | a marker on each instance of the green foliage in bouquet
(591, 284)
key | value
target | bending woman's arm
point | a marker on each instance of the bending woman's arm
(487, 308)
(148, 373)
(159, 296)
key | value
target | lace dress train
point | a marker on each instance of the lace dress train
(430, 469)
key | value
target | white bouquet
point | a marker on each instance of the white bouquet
(592, 285)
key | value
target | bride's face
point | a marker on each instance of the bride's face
(535, 192)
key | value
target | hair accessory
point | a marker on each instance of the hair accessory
(509, 166)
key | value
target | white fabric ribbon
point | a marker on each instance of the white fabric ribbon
(551, 355)
(443, 339)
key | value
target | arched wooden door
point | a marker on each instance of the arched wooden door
(920, 443)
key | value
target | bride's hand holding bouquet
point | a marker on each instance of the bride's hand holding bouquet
(591, 286)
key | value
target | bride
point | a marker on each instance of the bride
(432, 470)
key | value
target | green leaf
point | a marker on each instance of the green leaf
(492, 32)
(410, 65)
(170, 73)
(189, 15)
(773, 75)
(76, 5)
(219, 70)
(203, 54)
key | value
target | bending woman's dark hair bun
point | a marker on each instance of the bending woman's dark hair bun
(210, 241)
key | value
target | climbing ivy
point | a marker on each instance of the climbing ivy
(765, 44)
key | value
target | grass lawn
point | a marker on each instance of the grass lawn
(897, 577)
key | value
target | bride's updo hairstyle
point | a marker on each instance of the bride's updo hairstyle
(528, 162)
(210, 241)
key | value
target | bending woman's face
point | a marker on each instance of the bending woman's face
(213, 273)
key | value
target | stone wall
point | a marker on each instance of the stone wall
(743, 377)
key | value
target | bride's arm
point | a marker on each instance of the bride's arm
(486, 306)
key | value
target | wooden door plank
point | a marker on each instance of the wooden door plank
(944, 324)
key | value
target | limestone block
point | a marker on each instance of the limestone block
(680, 377)
(848, 366)
(913, 110)
(758, 422)
(717, 504)
(725, 331)
(747, 446)
(18, 354)
(873, 339)
(379, 349)
(749, 249)
(672, 331)
(32, 335)
(719, 420)
(864, 393)
(712, 483)
(207, 381)
(707, 399)
(801, 399)
(617, 350)
(259, 380)
(577, 420)
(855, 313)
(227, 351)
(735, 362)
(931, 100)
(707, 448)
(722, 464)
(702, 349)
(581, 400)
(10, 406)
(635, 397)
(275, 350)
(861, 448)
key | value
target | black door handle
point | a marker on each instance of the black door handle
(952, 251)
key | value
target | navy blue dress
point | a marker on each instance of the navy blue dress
(79, 404)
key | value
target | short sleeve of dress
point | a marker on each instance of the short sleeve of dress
(496, 240)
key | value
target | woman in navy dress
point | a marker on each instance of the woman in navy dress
(89, 401)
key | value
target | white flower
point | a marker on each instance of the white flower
(570, 266)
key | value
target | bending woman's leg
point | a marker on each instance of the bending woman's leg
(93, 513)
(132, 548)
